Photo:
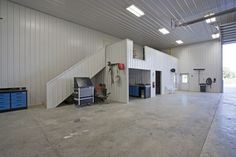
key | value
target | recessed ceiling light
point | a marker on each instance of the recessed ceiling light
(179, 42)
(164, 31)
(215, 36)
(135, 10)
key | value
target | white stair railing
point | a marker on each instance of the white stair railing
(61, 87)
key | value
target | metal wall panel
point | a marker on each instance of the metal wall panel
(156, 61)
(111, 16)
(202, 55)
(228, 33)
(159, 61)
(117, 53)
(36, 47)
(137, 76)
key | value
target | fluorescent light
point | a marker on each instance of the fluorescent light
(215, 36)
(210, 20)
(164, 31)
(135, 10)
(179, 42)
(211, 14)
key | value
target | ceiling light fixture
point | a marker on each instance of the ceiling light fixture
(135, 10)
(215, 36)
(210, 20)
(164, 31)
(179, 42)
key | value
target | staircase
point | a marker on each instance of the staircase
(61, 87)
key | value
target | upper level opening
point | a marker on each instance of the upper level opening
(138, 52)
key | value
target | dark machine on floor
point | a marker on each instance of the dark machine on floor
(83, 91)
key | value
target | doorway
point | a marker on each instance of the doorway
(229, 68)
(158, 82)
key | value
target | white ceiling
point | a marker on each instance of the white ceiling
(111, 16)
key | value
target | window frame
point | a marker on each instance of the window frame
(186, 78)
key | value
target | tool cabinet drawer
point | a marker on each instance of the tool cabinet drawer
(4, 101)
(17, 96)
(18, 104)
(18, 100)
(4, 96)
(4, 105)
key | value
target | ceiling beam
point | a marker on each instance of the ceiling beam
(177, 24)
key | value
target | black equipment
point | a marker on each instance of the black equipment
(202, 87)
(209, 81)
(172, 70)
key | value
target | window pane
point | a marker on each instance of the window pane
(184, 78)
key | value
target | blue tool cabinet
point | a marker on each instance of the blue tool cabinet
(13, 99)
(134, 91)
(5, 101)
(137, 90)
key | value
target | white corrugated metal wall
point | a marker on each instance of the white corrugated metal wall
(35, 47)
(228, 33)
(160, 61)
(202, 55)
(117, 53)
(137, 76)
(156, 61)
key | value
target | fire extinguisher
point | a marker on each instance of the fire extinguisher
(121, 66)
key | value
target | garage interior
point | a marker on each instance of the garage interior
(113, 78)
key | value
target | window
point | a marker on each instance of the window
(184, 78)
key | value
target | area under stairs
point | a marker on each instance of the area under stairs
(61, 87)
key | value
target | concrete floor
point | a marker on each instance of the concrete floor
(230, 89)
(177, 125)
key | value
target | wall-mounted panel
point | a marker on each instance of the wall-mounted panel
(36, 47)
